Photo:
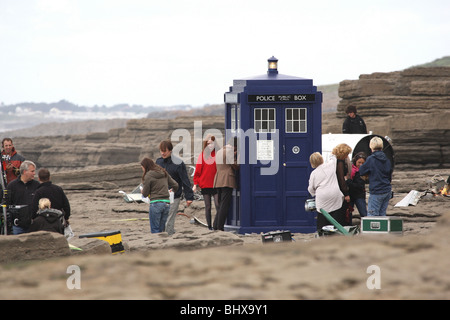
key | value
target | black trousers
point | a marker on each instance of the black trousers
(208, 206)
(225, 194)
(338, 215)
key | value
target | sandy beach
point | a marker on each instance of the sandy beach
(196, 263)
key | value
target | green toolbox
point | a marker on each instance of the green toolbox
(374, 224)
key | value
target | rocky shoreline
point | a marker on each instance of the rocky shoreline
(196, 263)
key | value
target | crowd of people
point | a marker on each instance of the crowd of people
(337, 185)
(33, 205)
(167, 174)
(41, 205)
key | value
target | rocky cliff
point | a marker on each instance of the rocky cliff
(410, 106)
(414, 90)
(140, 138)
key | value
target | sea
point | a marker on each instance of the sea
(26, 119)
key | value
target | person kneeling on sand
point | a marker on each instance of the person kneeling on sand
(47, 219)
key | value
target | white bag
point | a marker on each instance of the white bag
(68, 233)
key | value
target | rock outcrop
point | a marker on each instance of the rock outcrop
(33, 246)
(412, 107)
(140, 138)
(414, 90)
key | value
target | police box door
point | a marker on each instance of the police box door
(278, 199)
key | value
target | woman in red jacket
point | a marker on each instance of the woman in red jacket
(205, 170)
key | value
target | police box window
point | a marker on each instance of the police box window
(264, 120)
(295, 120)
(235, 118)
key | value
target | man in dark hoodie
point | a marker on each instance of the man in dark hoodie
(378, 168)
(353, 123)
(177, 170)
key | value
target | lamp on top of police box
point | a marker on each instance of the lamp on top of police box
(273, 65)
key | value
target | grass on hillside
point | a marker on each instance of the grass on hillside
(441, 62)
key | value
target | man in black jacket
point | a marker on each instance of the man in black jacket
(177, 170)
(51, 191)
(20, 193)
(353, 123)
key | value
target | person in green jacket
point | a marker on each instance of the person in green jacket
(156, 183)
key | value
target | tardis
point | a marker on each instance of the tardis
(277, 120)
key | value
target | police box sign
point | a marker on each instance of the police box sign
(281, 97)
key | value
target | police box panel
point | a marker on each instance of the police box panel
(283, 145)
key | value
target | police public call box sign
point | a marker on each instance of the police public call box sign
(281, 98)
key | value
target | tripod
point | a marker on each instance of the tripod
(4, 225)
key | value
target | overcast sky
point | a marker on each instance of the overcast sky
(162, 53)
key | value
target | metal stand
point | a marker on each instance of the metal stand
(4, 229)
(335, 223)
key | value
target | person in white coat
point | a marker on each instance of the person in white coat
(323, 184)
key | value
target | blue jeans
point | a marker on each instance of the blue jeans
(378, 204)
(18, 230)
(159, 211)
(361, 206)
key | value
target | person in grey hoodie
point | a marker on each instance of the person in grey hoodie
(378, 168)
(156, 183)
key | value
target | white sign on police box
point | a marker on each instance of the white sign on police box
(264, 150)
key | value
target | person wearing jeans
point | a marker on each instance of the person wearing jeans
(357, 186)
(378, 204)
(159, 211)
(378, 168)
(156, 183)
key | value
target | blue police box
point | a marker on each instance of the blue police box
(278, 122)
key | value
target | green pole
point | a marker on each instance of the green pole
(335, 223)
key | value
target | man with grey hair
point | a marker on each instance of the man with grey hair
(20, 193)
